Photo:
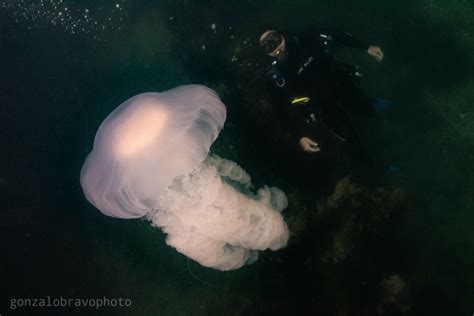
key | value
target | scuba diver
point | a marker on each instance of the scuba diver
(317, 89)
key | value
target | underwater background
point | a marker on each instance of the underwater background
(403, 245)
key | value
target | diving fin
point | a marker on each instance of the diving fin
(393, 168)
(381, 104)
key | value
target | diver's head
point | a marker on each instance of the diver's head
(273, 43)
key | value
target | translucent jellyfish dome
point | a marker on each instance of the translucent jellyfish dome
(151, 159)
(145, 143)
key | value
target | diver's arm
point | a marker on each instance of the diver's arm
(347, 39)
(300, 130)
(335, 37)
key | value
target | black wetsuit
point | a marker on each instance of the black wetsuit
(309, 70)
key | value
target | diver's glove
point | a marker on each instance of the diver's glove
(376, 52)
(308, 145)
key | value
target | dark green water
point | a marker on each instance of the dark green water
(57, 86)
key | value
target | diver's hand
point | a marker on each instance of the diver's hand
(376, 52)
(308, 145)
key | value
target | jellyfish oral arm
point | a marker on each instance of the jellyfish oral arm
(215, 224)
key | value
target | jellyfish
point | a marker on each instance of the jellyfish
(151, 159)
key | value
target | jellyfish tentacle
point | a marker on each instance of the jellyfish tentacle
(229, 169)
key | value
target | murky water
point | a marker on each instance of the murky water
(66, 64)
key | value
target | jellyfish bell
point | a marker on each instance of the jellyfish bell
(151, 159)
(145, 143)
(143, 128)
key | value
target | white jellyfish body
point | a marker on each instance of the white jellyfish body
(145, 143)
(150, 159)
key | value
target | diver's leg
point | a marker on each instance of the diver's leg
(358, 102)
(355, 103)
